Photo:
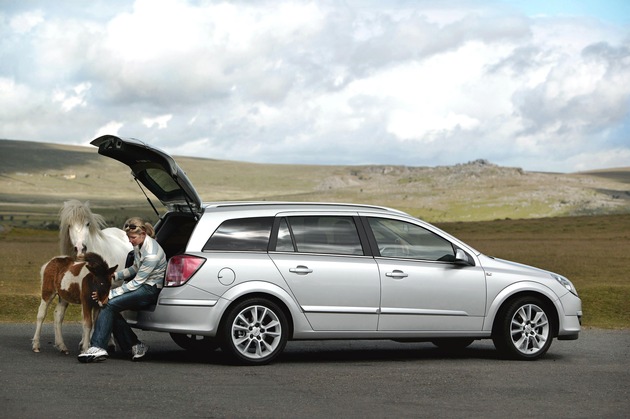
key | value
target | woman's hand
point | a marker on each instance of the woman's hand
(100, 303)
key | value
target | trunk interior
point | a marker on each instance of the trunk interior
(173, 232)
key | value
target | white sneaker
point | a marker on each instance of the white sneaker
(138, 351)
(93, 354)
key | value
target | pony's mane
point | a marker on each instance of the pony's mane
(96, 263)
(74, 211)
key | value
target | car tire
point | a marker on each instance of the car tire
(255, 332)
(452, 344)
(195, 343)
(524, 330)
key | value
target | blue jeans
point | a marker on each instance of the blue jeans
(110, 320)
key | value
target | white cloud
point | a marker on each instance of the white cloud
(161, 122)
(111, 128)
(418, 83)
(72, 98)
(25, 22)
(617, 157)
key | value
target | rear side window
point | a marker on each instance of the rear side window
(319, 234)
(241, 234)
(400, 239)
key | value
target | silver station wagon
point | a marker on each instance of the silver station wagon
(249, 276)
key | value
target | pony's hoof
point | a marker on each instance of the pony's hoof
(36, 350)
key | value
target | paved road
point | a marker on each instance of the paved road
(589, 377)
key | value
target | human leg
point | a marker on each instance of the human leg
(110, 320)
(124, 335)
(103, 327)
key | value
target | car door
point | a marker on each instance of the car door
(321, 257)
(424, 288)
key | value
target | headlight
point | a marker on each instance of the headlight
(565, 283)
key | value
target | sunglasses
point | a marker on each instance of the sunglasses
(131, 227)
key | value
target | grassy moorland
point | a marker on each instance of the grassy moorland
(591, 251)
(36, 178)
(574, 224)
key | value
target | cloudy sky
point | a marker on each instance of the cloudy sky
(537, 84)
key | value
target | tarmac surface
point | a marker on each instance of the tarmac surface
(586, 378)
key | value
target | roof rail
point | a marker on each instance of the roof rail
(292, 203)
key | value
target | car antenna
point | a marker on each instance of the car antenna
(145, 194)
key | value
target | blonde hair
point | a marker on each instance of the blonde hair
(136, 225)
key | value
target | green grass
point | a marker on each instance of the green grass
(22, 253)
(590, 251)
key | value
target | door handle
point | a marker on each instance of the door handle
(301, 270)
(396, 274)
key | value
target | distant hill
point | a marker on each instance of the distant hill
(37, 177)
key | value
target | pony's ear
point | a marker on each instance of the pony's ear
(112, 270)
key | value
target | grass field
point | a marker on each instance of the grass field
(35, 179)
(591, 251)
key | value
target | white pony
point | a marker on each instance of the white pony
(80, 231)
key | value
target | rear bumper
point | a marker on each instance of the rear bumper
(197, 318)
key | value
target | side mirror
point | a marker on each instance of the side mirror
(461, 258)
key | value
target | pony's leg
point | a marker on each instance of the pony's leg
(88, 325)
(60, 312)
(41, 315)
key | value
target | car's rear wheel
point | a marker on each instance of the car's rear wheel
(255, 332)
(524, 329)
(196, 343)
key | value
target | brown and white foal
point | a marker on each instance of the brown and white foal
(74, 282)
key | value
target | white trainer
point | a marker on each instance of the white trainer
(138, 351)
(93, 354)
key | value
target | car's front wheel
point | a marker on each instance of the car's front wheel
(255, 331)
(524, 329)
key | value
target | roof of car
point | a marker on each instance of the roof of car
(304, 206)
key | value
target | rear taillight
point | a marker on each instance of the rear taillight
(181, 268)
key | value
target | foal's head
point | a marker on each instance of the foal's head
(99, 278)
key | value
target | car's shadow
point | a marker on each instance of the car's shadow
(163, 350)
(346, 352)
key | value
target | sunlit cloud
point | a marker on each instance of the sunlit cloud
(413, 83)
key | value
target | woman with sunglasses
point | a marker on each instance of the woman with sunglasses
(145, 280)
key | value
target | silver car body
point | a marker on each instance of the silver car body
(436, 299)
(334, 296)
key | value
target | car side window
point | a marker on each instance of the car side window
(284, 242)
(401, 239)
(241, 234)
(320, 234)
